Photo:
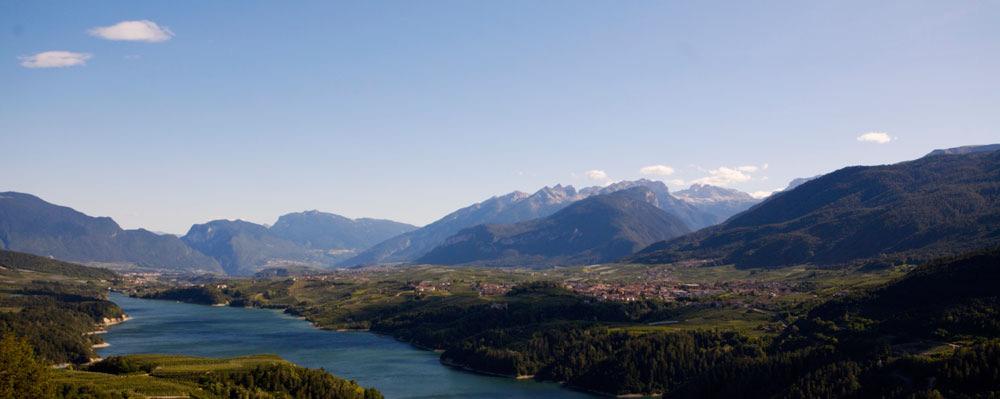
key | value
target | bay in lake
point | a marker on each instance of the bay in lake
(393, 367)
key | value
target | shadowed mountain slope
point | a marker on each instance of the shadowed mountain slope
(511, 208)
(243, 248)
(597, 229)
(321, 230)
(29, 224)
(932, 206)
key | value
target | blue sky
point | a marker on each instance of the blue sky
(409, 110)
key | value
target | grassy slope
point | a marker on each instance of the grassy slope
(174, 375)
(11, 260)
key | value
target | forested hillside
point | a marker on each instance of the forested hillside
(55, 305)
(258, 377)
(935, 332)
(932, 334)
(934, 206)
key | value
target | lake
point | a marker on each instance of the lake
(395, 368)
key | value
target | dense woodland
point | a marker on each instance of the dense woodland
(931, 334)
(284, 381)
(54, 305)
(258, 380)
(202, 295)
(23, 376)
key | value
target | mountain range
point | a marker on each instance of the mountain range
(945, 203)
(510, 208)
(311, 238)
(599, 228)
(320, 230)
(29, 224)
(719, 202)
(243, 248)
(696, 210)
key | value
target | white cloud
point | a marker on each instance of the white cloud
(133, 31)
(656, 170)
(676, 183)
(597, 175)
(747, 169)
(54, 59)
(763, 194)
(875, 137)
(724, 176)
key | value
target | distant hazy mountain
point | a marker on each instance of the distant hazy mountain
(692, 216)
(320, 230)
(518, 206)
(243, 248)
(316, 239)
(936, 205)
(29, 224)
(722, 203)
(599, 228)
(699, 206)
(511, 208)
(312, 239)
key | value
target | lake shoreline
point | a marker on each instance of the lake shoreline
(463, 368)
(170, 327)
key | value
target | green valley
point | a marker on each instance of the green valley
(52, 313)
(662, 329)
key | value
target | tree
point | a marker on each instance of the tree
(21, 375)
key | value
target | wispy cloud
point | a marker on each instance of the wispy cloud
(875, 137)
(656, 170)
(596, 175)
(724, 176)
(54, 59)
(134, 31)
(763, 194)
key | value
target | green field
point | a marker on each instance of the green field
(173, 375)
(196, 377)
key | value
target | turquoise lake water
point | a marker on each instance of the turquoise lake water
(395, 368)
